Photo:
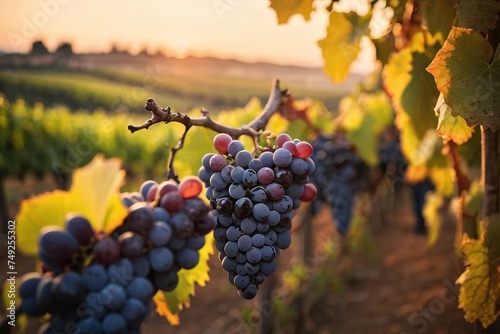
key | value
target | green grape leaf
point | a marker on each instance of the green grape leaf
(364, 117)
(472, 211)
(94, 194)
(286, 9)
(469, 82)
(413, 94)
(431, 211)
(341, 45)
(384, 47)
(479, 292)
(492, 238)
(479, 15)
(438, 16)
(450, 127)
(169, 304)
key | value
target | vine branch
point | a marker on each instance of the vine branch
(276, 102)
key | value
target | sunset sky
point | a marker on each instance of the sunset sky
(240, 29)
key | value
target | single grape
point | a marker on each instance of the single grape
(258, 195)
(106, 251)
(142, 289)
(249, 292)
(114, 296)
(299, 167)
(182, 226)
(161, 214)
(282, 138)
(237, 174)
(251, 268)
(95, 277)
(134, 312)
(79, 227)
(190, 187)
(233, 233)
(226, 173)
(245, 243)
(166, 187)
(241, 281)
(243, 158)
(267, 267)
(165, 281)
(243, 207)
(160, 234)
(282, 157)
(237, 190)
(254, 255)
(29, 284)
(56, 245)
(121, 272)
(273, 218)
(221, 142)
(234, 147)
(187, 258)
(229, 264)
(231, 249)
(195, 208)
(161, 259)
(283, 240)
(140, 217)
(172, 201)
(258, 240)
(114, 323)
(260, 212)
(250, 178)
(205, 225)
(265, 175)
(304, 150)
(290, 146)
(217, 162)
(275, 191)
(217, 182)
(255, 164)
(267, 159)
(195, 242)
(248, 226)
(145, 186)
(310, 192)
(153, 190)
(131, 244)
(205, 161)
(68, 289)
(268, 253)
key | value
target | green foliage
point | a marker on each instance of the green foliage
(364, 116)
(467, 79)
(479, 15)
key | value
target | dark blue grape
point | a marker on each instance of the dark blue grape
(187, 258)
(141, 288)
(160, 233)
(160, 258)
(95, 277)
(79, 227)
(114, 323)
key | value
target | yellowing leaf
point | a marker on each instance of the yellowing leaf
(287, 8)
(479, 291)
(413, 94)
(364, 117)
(442, 178)
(168, 304)
(469, 83)
(163, 309)
(341, 46)
(433, 203)
(94, 194)
(450, 127)
(479, 15)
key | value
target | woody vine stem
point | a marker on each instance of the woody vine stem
(275, 103)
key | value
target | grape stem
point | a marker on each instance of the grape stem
(276, 102)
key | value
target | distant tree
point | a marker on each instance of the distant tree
(65, 49)
(38, 48)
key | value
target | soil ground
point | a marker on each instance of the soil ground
(408, 288)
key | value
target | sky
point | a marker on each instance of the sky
(240, 29)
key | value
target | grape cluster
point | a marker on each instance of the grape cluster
(340, 175)
(92, 282)
(254, 198)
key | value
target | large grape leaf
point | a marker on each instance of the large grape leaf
(450, 127)
(438, 16)
(479, 15)
(413, 93)
(341, 45)
(286, 9)
(479, 291)
(364, 117)
(94, 194)
(169, 304)
(469, 82)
